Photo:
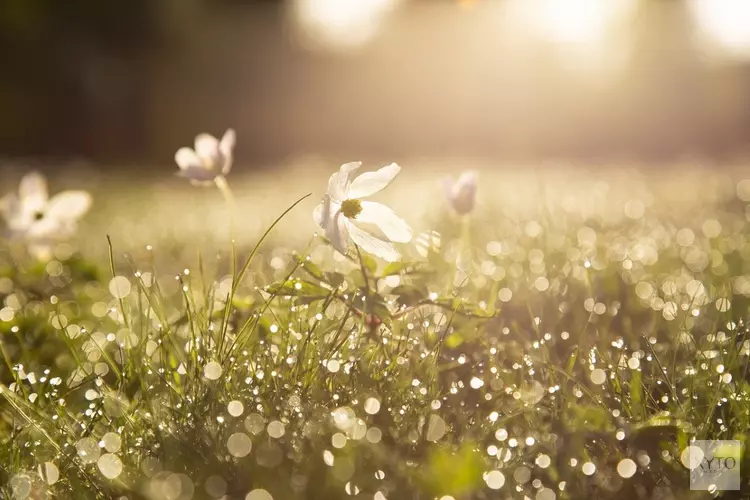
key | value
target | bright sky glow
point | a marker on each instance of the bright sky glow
(724, 23)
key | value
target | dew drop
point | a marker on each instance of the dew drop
(215, 486)
(338, 440)
(598, 376)
(545, 494)
(543, 461)
(626, 468)
(212, 370)
(255, 423)
(522, 475)
(374, 435)
(259, 494)
(20, 485)
(51, 473)
(476, 383)
(494, 479)
(691, 457)
(110, 465)
(239, 444)
(112, 442)
(119, 287)
(275, 429)
(235, 408)
(372, 406)
(435, 428)
(88, 450)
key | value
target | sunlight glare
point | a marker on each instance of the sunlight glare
(724, 23)
(342, 23)
(576, 21)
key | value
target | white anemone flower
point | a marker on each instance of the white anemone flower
(370, 225)
(211, 159)
(37, 219)
(462, 193)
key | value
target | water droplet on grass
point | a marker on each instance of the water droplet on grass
(50, 473)
(588, 468)
(372, 406)
(119, 287)
(112, 442)
(258, 494)
(435, 428)
(543, 461)
(212, 370)
(598, 376)
(626, 468)
(494, 479)
(275, 429)
(20, 485)
(110, 465)
(88, 449)
(239, 445)
(235, 408)
(215, 486)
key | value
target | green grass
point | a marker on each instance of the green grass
(574, 320)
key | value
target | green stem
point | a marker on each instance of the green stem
(226, 192)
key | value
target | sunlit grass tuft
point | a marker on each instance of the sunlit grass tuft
(566, 339)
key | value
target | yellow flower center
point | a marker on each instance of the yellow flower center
(351, 208)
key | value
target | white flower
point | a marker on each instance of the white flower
(210, 159)
(462, 193)
(372, 226)
(39, 220)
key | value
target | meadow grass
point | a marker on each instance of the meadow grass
(568, 339)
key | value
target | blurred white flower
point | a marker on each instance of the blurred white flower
(210, 159)
(39, 220)
(372, 226)
(462, 193)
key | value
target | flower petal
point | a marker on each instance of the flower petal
(449, 188)
(33, 192)
(371, 244)
(468, 178)
(338, 233)
(323, 214)
(319, 215)
(48, 229)
(206, 146)
(186, 158)
(226, 147)
(464, 192)
(68, 206)
(338, 183)
(393, 226)
(10, 207)
(370, 183)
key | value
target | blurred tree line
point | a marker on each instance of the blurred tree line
(75, 74)
(130, 81)
(66, 61)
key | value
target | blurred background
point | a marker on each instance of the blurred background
(126, 82)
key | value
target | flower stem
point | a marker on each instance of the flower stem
(223, 185)
(364, 271)
(464, 256)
